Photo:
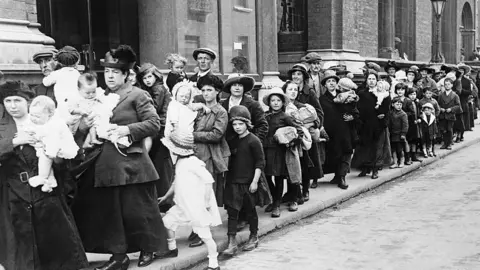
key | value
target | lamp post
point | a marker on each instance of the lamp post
(438, 7)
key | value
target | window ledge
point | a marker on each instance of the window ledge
(242, 9)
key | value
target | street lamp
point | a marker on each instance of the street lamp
(438, 7)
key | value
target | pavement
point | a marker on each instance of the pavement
(323, 197)
(428, 221)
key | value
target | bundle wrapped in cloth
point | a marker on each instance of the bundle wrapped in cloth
(286, 135)
(306, 115)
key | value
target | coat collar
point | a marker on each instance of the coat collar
(432, 119)
(123, 92)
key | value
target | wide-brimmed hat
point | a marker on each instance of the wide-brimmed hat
(412, 71)
(15, 88)
(329, 74)
(466, 68)
(340, 69)
(401, 75)
(427, 68)
(208, 51)
(275, 91)
(428, 105)
(123, 57)
(391, 64)
(311, 57)
(47, 52)
(369, 66)
(246, 81)
(180, 142)
(347, 83)
(299, 67)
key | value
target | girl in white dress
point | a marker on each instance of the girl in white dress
(54, 140)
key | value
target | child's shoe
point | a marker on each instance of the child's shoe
(276, 212)
(252, 243)
(424, 152)
(293, 206)
(232, 246)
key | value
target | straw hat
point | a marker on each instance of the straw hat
(275, 91)
(466, 68)
(247, 82)
(180, 142)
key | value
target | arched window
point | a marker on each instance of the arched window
(468, 32)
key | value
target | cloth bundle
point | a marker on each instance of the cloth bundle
(286, 135)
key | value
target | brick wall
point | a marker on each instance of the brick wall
(18, 10)
(423, 31)
(360, 26)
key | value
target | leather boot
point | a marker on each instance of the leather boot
(232, 246)
(414, 157)
(115, 265)
(252, 242)
(375, 173)
(363, 172)
(407, 159)
(342, 183)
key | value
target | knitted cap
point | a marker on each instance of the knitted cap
(180, 142)
(428, 105)
(67, 56)
(16, 88)
(211, 80)
(241, 113)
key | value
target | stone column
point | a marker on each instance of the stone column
(157, 30)
(386, 29)
(20, 39)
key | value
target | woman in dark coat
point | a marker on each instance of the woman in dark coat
(464, 91)
(339, 149)
(298, 74)
(37, 230)
(373, 151)
(116, 205)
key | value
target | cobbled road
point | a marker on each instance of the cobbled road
(429, 221)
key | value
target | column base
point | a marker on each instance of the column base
(19, 41)
(270, 80)
(388, 53)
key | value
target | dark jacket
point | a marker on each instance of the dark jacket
(307, 96)
(209, 138)
(42, 90)
(429, 128)
(370, 126)
(161, 98)
(410, 107)
(37, 230)
(398, 125)
(135, 110)
(451, 101)
(338, 130)
(260, 125)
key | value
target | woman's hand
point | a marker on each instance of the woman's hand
(22, 138)
(381, 116)
(442, 110)
(347, 117)
(449, 110)
(253, 187)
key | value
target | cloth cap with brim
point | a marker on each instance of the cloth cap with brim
(47, 52)
(16, 88)
(275, 91)
(347, 83)
(239, 112)
(391, 64)
(312, 57)
(466, 68)
(180, 142)
(329, 74)
(208, 51)
(123, 57)
(247, 82)
(299, 67)
(428, 105)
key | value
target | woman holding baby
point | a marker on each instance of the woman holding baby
(116, 205)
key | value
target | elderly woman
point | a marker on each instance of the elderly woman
(373, 150)
(339, 149)
(37, 230)
(116, 206)
(306, 95)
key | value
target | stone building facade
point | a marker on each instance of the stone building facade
(266, 36)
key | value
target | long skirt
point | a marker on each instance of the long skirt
(119, 219)
(161, 159)
(316, 154)
(459, 125)
(377, 153)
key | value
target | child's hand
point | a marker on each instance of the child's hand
(449, 110)
(442, 110)
(402, 137)
(253, 187)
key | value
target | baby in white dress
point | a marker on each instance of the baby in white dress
(91, 100)
(53, 140)
(382, 91)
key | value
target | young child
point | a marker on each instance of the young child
(414, 133)
(176, 63)
(181, 111)
(382, 92)
(54, 140)
(65, 79)
(398, 126)
(275, 153)
(245, 185)
(428, 98)
(195, 203)
(449, 104)
(92, 101)
(347, 86)
(429, 130)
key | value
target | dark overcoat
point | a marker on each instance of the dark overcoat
(450, 101)
(135, 110)
(37, 230)
(338, 130)
(42, 90)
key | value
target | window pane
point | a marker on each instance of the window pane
(197, 22)
(238, 37)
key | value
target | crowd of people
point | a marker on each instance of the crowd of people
(118, 170)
